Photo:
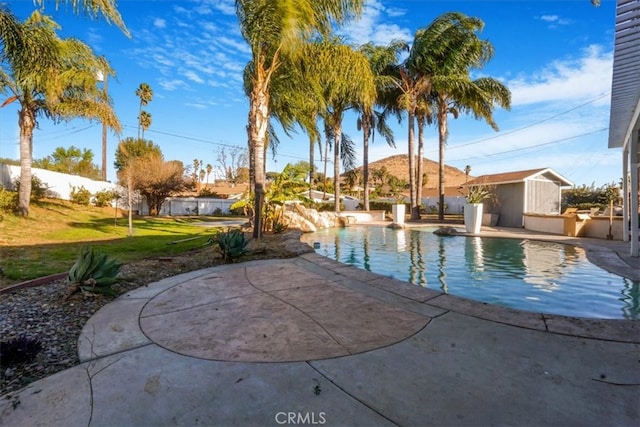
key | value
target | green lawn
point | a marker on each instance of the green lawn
(49, 240)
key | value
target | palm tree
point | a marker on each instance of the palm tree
(411, 88)
(381, 59)
(444, 53)
(275, 30)
(145, 93)
(106, 8)
(423, 117)
(61, 84)
(341, 77)
(144, 121)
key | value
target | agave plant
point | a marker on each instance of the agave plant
(93, 272)
(232, 244)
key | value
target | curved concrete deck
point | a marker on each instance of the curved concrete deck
(312, 341)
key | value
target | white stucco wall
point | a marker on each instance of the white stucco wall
(60, 184)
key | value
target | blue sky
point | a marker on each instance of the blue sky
(555, 56)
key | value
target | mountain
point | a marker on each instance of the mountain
(398, 166)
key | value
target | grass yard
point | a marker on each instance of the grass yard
(49, 240)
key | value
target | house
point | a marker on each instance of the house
(537, 191)
(350, 203)
(624, 118)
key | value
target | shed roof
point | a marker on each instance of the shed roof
(520, 176)
(625, 84)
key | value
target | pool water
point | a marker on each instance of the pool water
(523, 274)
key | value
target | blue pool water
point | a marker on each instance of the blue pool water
(524, 274)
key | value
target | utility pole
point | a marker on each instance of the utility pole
(102, 76)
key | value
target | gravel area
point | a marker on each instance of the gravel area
(41, 312)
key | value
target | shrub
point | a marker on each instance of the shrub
(39, 189)
(206, 192)
(80, 196)
(232, 244)
(103, 198)
(8, 200)
(93, 272)
(19, 350)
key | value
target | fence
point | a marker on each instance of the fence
(179, 206)
(59, 184)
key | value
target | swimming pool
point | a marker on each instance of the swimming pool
(525, 274)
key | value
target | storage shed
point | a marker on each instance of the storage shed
(520, 192)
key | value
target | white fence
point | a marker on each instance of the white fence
(454, 205)
(59, 184)
(179, 206)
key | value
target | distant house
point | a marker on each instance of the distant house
(529, 191)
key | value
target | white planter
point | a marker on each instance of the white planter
(398, 213)
(473, 217)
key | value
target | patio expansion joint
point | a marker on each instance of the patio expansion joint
(96, 357)
(355, 398)
(195, 306)
(271, 294)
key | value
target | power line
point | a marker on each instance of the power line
(205, 141)
(531, 124)
(532, 146)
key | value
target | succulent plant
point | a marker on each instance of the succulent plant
(232, 244)
(94, 272)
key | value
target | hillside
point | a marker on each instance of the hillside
(398, 166)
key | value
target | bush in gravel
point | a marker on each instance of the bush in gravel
(19, 350)
(93, 272)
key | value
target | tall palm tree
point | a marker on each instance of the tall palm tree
(411, 87)
(444, 53)
(381, 59)
(275, 30)
(61, 86)
(145, 93)
(341, 77)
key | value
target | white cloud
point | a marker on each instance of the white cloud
(159, 23)
(554, 20)
(173, 84)
(395, 12)
(193, 76)
(583, 78)
(371, 26)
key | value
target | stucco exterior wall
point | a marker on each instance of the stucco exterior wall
(60, 184)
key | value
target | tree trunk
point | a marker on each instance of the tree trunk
(257, 128)
(26, 122)
(366, 133)
(419, 168)
(311, 168)
(412, 164)
(130, 200)
(337, 135)
(326, 157)
(442, 140)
